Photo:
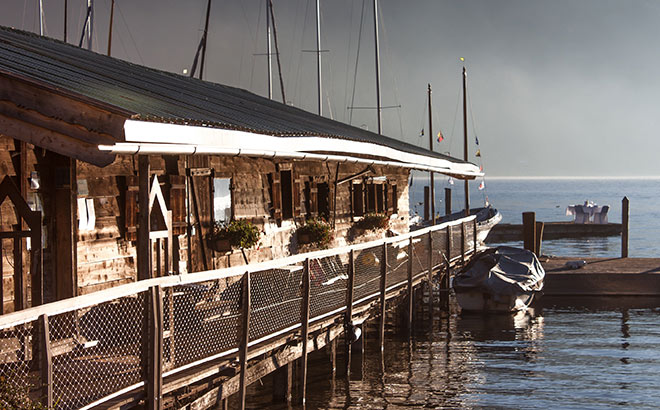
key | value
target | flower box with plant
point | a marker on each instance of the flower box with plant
(238, 233)
(373, 222)
(315, 231)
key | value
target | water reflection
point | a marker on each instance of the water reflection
(590, 357)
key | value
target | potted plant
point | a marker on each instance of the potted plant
(315, 231)
(238, 233)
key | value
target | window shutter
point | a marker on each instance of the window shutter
(297, 198)
(380, 199)
(358, 199)
(131, 208)
(178, 203)
(395, 204)
(388, 200)
(314, 199)
(276, 198)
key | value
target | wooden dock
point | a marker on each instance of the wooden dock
(554, 230)
(603, 277)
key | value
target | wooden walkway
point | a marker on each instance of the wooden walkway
(603, 277)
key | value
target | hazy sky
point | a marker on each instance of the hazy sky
(557, 87)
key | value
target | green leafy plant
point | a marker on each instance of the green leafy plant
(315, 231)
(373, 222)
(16, 396)
(240, 233)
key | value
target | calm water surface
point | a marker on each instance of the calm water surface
(562, 356)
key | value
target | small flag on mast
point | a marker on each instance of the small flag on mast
(440, 136)
(478, 153)
(476, 139)
(421, 133)
(482, 186)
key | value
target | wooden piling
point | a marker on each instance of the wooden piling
(427, 203)
(475, 241)
(282, 383)
(625, 216)
(430, 272)
(447, 201)
(529, 231)
(383, 283)
(463, 246)
(244, 337)
(538, 237)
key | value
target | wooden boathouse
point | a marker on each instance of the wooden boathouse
(113, 179)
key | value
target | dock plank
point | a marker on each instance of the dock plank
(603, 277)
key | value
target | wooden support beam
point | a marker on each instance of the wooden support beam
(144, 222)
(475, 231)
(538, 237)
(154, 383)
(383, 296)
(427, 203)
(282, 384)
(304, 318)
(64, 241)
(625, 217)
(244, 338)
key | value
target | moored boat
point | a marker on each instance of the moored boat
(502, 279)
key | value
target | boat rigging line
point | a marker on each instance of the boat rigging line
(277, 51)
(201, 48)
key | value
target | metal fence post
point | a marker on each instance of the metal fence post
(463, 246)
(244, 337)
(45, 361)
(348, 319)
(383, 283)
(304, 317)
(410, 285)
(430, 273)
(155, 360)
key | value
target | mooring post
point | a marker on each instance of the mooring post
(430, 273)
(155, 362)
(538, 237)
(45, 362)
(304, 318)
(444, 284)
(411, 298)
(447, 201)
(625, 216)
(383, 283)
(244, 338)
(348, 319)
(529, 231)
(427, 203)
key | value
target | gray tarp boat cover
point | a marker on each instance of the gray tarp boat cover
(503, 270)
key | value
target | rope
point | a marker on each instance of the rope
(277, 50)
(357, 60)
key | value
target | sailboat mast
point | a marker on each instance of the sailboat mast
(465, 141)
(41, 17)
(431, 148)
(318, 56)
(377, 55)
(204, 37)
(268, 53)
(112, 15)
(66, 13)
(90, 23)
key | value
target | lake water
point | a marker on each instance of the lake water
(549, 197)
(584, 353)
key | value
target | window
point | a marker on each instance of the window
(357, 198)
(222, 209)
(377, 195)
(284, 189)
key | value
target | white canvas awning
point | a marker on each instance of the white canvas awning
(143, 137)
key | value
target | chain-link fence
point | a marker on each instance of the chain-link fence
(81, 352)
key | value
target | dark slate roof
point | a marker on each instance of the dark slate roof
(149, 94)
